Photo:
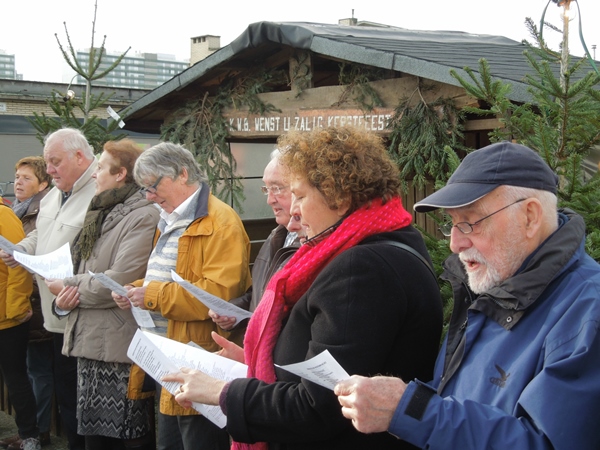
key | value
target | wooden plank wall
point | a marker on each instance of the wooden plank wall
(423, 221)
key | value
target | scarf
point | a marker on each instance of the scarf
(287, 286)
(20, 208)
(100, 206)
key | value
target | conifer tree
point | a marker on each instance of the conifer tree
(64, 105)
(561, 122)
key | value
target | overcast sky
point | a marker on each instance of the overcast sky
(28, 26)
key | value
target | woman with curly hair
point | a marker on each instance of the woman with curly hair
(349, 289)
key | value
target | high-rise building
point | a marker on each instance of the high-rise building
(7, 67)
(140, 71)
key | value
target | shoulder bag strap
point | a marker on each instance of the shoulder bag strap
(411, 250)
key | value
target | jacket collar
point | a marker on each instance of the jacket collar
(34, 206)
(507, 302)
(85, 178)
(202, 205)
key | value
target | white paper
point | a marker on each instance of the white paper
(7, 246)
(53, 265)
(141, 316)
(159, 356)
(218, 305)
(112, 113)
(322, 369)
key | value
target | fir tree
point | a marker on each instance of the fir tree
(561, 122)
(65, 104)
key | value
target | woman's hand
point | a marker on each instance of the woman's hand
(195, 386)
(122, 301)
(8, 259)
(229, 349)
(68, 298)
(224, 322)
(54, 285)
(26, 317)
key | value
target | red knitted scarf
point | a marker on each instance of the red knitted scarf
(287, 286)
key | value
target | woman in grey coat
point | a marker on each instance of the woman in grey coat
(116, 239)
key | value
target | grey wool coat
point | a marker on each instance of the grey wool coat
(98, 329)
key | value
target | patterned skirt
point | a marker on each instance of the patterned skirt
(102, 405)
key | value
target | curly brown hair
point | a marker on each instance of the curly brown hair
(347, 165)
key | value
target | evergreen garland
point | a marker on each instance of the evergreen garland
(356, 78)
(201, 127)
(420, 133)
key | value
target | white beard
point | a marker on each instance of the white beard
(508, 256)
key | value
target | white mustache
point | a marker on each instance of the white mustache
(471, 255)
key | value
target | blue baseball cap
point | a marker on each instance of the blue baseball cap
(483, 170)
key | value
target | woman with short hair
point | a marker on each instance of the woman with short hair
(116, 239)
(32, 183)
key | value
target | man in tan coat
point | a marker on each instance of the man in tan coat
(70, 161)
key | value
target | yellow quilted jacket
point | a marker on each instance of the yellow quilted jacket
(213, 253)
(15, 284)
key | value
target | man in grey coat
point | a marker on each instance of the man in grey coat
(278, 248)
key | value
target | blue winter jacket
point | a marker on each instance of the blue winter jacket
(520, 366)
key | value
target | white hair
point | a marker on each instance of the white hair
(548, 200)
(72, 140)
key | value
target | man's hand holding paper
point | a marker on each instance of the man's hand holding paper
(216, 304)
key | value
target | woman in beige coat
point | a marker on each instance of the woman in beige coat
(116, 239)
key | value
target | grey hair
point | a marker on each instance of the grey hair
(72, 140)
(167, 160)
(548, 200)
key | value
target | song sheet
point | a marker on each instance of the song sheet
(159, 356)
(322, 369)
(141, 316)
(218, 305)
(7, 246)
(54, 265)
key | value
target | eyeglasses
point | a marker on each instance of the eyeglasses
(275, 190)
(466, 227)
(151, 189)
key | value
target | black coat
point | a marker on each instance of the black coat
(377, 309)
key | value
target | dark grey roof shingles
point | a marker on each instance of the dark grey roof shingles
(428, 54)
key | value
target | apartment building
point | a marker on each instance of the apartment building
(7, 67)
(138, 71)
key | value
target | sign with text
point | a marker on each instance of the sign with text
(276, 124)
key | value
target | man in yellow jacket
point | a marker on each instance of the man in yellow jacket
(16, 285)
(203, 240)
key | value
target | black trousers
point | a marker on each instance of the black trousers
(65, 386)
(13, 363)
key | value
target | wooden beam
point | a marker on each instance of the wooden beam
(482, 124)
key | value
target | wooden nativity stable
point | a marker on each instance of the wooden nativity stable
(301, 65)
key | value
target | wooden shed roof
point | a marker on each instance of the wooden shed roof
(426, 54)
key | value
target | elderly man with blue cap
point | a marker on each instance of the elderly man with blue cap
(520, 365)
